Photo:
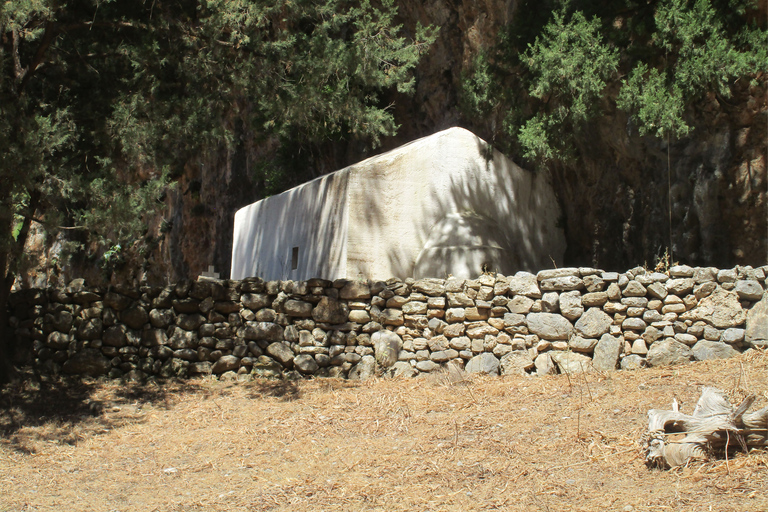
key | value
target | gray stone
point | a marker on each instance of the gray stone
(200, 368)
(282, 353)
(88, 361)
(549, 302)
(756, 333)
(634, 289)
(549, 326)
(579, 344)
(571, 306)
(267, 331)
(392, 316)
(681, 271)
(306, 364)
(633, 362)
(721, 309)
(330, 311)
(733, 335)
(427, 366)
(266, 367)
(657, 291)
(190, 322)
(544, 364)
(594, 299)
(561, 284)
(554, 273)
(727, 275)
(134, 317)
(484, 363)
(517, 362)
(298, 308)
(593, 323)
(520, 304)
(749, 290)
(571, 362)
(355, 290)
(705, 350)
(525, 284)
(668, 352)
(364, 369)
(685, 338)
(415, 308)
(225, 364)
(606, 353)
(634, 324)
(680, 287)
(386, 347)
(186, 354)
(90, 329)
(401, 369)
(114, 336)
(430, 287)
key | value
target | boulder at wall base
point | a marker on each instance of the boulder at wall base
(386, 347)
(364, 369)
(756, 333)
(571, 362)
(483, 363)
(594, 323)
(668, 352)
(705, 350)
(606, 354)
(401, 369)
(517, 362)
(225, 364)
(282, 353)
(305, 364)
(87, 362)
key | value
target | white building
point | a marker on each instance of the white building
(447, 204)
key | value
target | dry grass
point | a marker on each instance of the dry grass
(435, 443)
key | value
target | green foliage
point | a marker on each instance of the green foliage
(570, 66)
(100, 99)
(669, 52)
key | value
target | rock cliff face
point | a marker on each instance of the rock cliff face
(614, 201)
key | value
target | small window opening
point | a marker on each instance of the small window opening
(294, 258)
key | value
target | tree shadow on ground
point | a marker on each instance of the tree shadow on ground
(286, 390)
(66, 411)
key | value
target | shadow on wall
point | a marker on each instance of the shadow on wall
(487, 214)
(296, 235)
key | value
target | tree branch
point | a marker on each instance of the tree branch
(45, 43)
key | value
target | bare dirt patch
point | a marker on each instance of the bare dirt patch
(511, 443)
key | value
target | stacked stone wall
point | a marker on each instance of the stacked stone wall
(560, 320)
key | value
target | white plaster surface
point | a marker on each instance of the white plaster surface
(431, 208)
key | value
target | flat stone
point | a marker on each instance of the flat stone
(727, 276)
(520, 304)
(555, 273)
(686, 338)
(401, 369)
(681, 271)
(392, 316)
(561, 284)
(427, 366)
(225, 364)
(549, 326)
(657, 291)
(355, 290)
(415, 308)
(668, 352)
(593, 323)
(297, 308)
(706, 350)
(579, 344)
(595, 299)
(430, 287)
(459, 300)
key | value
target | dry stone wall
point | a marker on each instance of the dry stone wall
(560, 320)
